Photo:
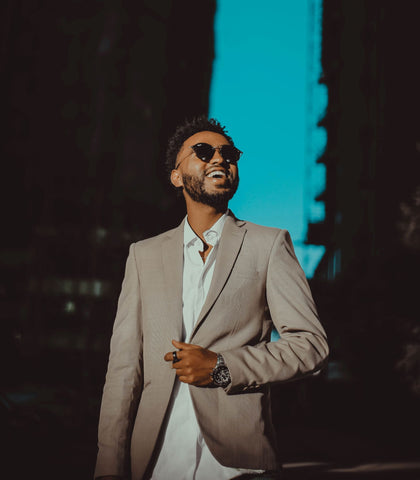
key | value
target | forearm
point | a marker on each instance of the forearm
(123, 384)
(272, 362)
(119, 404)
(302, 348)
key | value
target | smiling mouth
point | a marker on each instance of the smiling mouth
(217, 174)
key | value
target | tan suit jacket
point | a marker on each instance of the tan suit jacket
(257, 282)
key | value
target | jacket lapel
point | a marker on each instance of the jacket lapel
(229, 247)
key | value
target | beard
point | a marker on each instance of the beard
(195, 188)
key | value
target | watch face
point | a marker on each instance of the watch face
(221, 376)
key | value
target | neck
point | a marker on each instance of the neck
(201, 217)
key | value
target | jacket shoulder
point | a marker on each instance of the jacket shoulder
(263, 232)
(156, 239)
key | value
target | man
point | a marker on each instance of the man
(187, 389)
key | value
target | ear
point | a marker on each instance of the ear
(176, 178)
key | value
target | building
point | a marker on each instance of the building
(366, 285)
(90, 93)
(373, 134)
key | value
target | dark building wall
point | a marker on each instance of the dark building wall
(366, 284)
(90, 92)
(372, 127)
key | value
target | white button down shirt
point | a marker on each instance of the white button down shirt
(197, 275)
(184, 454)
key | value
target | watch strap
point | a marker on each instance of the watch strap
(220, 360)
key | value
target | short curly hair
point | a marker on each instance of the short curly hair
(186, 130)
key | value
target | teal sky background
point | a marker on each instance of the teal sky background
(259, 91)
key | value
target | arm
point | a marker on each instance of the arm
(123, 382)
(302, 348)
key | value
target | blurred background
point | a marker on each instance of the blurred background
(323, 98)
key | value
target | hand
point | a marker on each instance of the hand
(195, 363)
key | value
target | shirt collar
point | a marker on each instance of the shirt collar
(212, 235)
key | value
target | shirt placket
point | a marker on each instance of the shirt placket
(200, 290)
(199, 300)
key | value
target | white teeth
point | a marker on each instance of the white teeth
(217, 173)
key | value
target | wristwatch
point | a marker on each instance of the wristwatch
(220, 374)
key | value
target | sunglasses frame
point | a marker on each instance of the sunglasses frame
(218, 148)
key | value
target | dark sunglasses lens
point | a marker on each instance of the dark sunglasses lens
(204, 151)
(230, 153)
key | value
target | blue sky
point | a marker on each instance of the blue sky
(259, 91)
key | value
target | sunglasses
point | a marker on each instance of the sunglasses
(205, 152)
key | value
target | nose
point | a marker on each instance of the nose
(217, 157)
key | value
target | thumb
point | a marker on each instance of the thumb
(183, 345)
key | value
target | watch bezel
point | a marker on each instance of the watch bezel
(221, 376)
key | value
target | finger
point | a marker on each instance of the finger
(169, 357)
(184, 346)
(191, 380)
(185, 379)
(181, 372)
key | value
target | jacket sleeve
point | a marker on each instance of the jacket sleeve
(123, 383)
(302, 348)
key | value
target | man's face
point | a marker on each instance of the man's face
(213, 183)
